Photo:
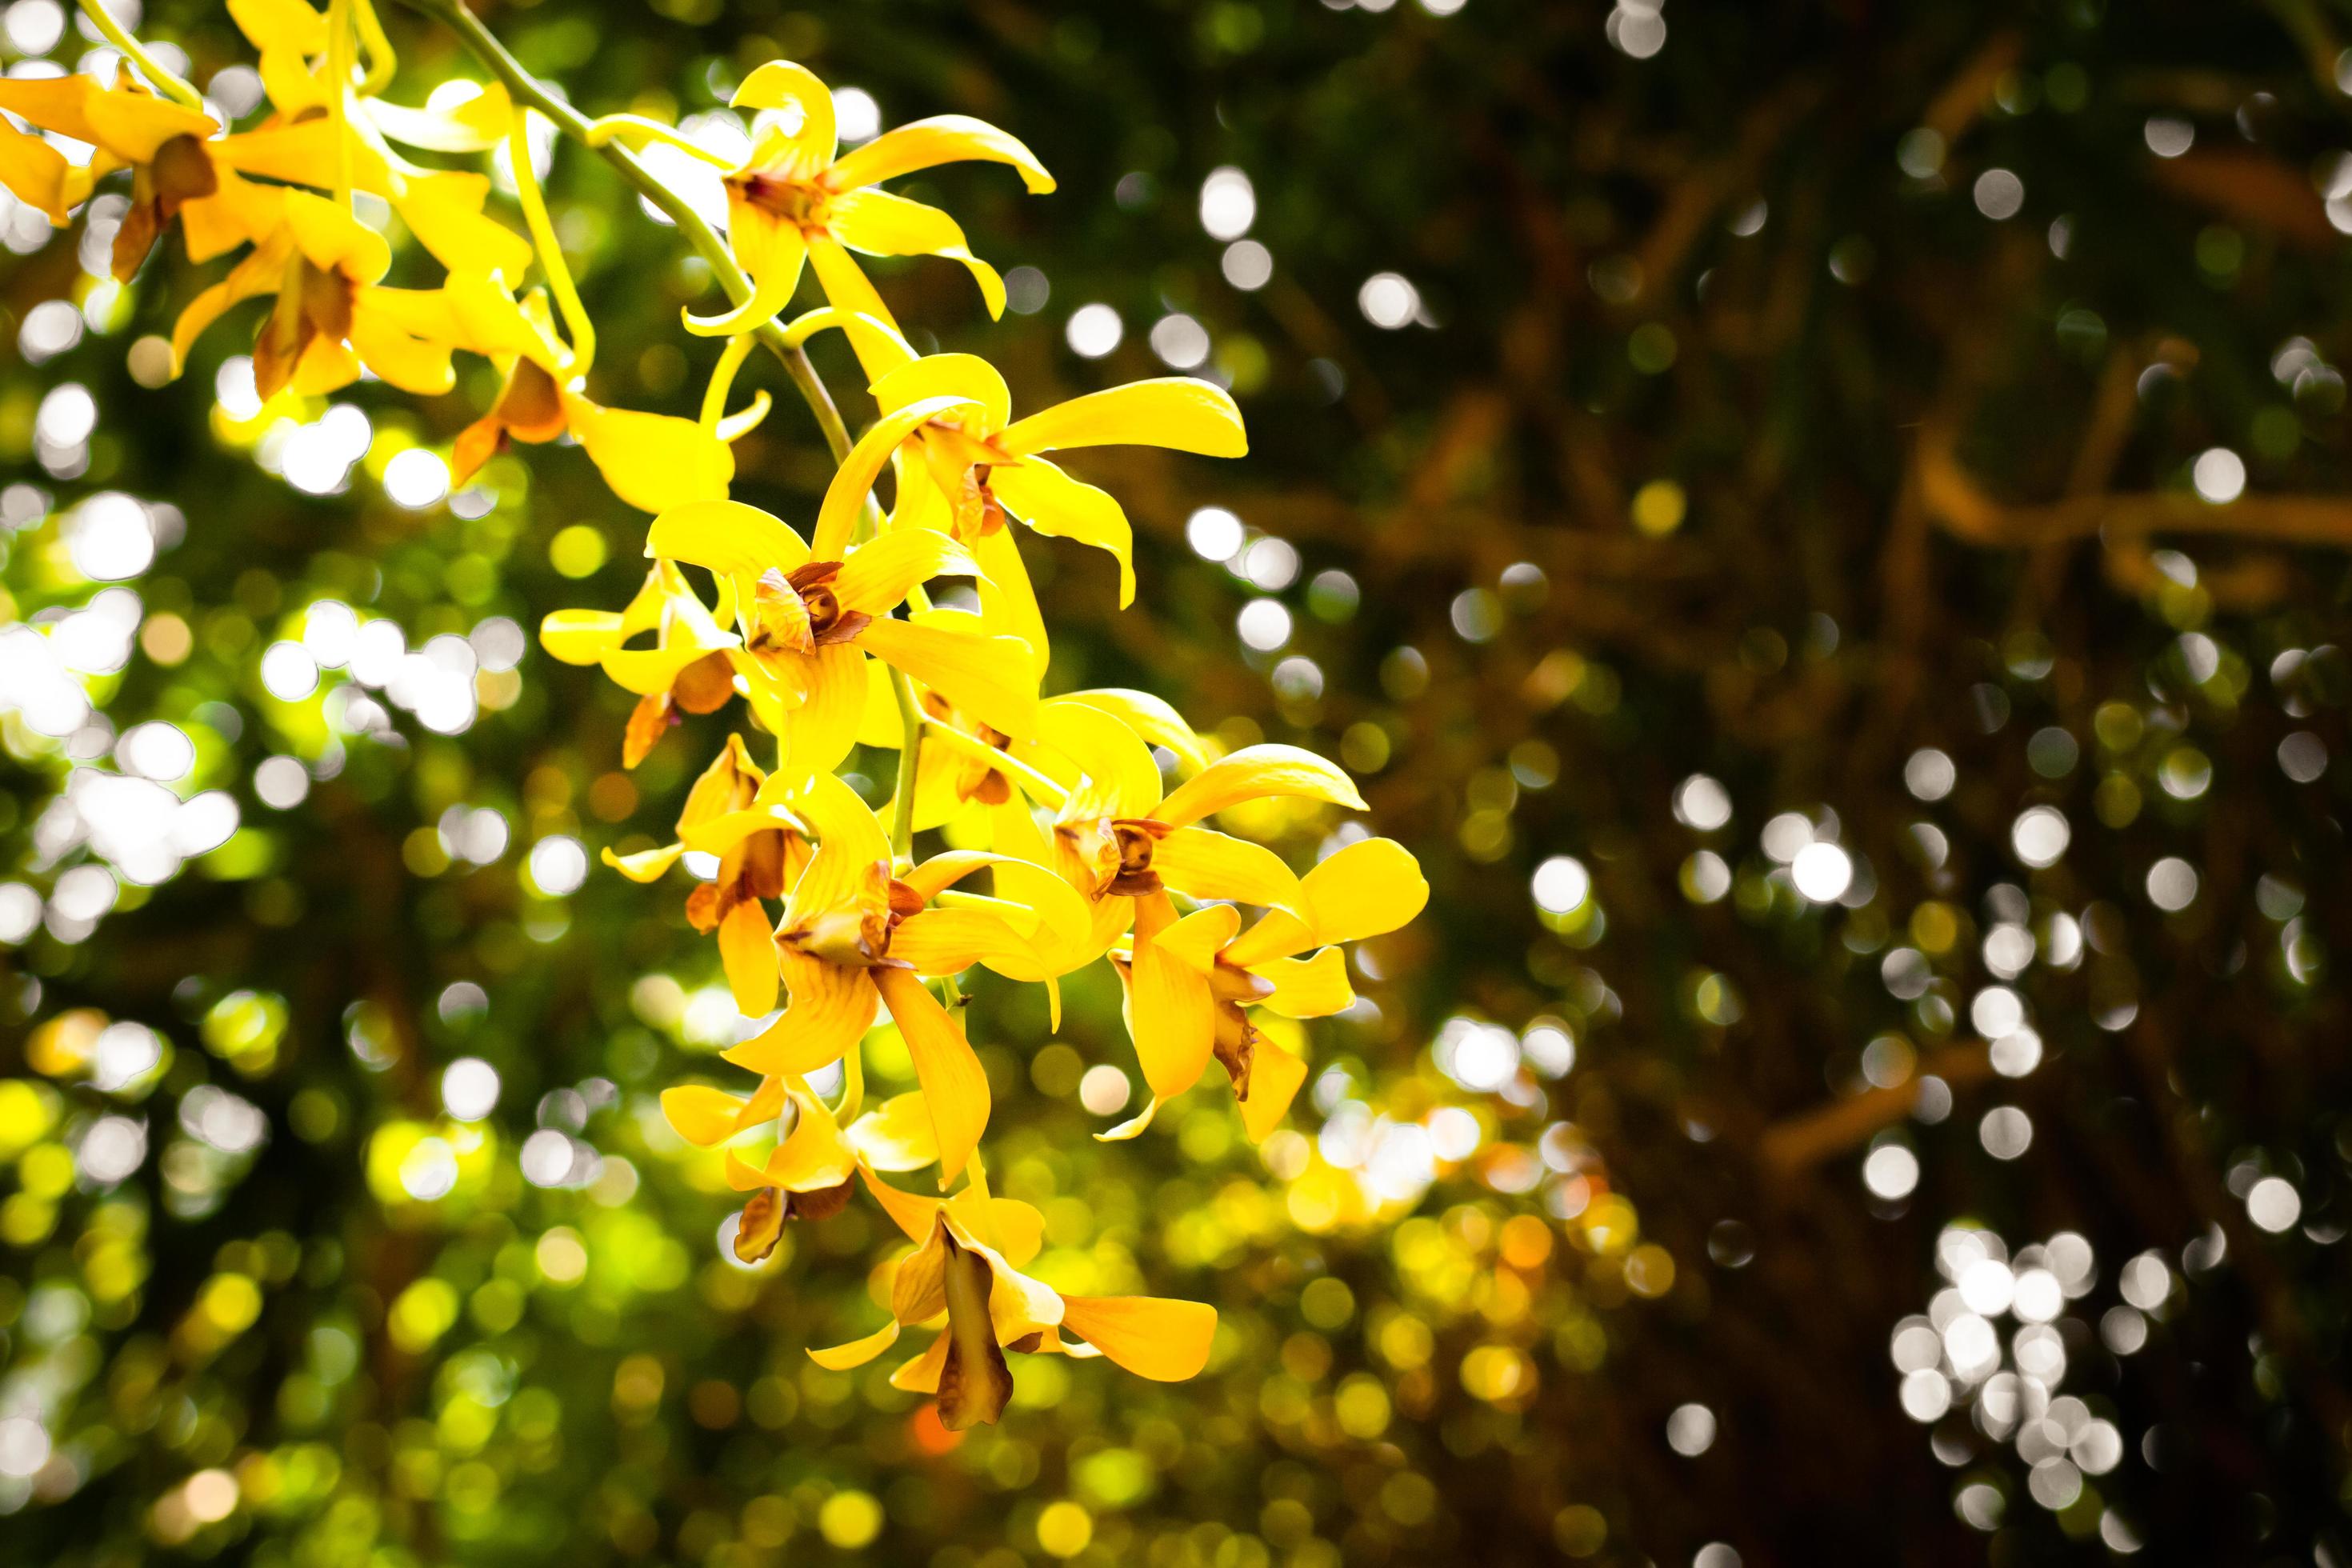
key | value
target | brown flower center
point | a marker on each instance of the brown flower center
(1235, 1048)
(179, 172)
(1135, 837)
(315, 303)
(800, 611)
(796, 201)
(975, 779)
(770, 1209)
(761, 867)
(704, 686)
(1113, 854)
(991, 787)
(856, 935)
(530, 406)
(978, 512)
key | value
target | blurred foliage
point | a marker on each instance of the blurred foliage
(1680, 441)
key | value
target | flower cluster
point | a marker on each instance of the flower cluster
(1086, 813)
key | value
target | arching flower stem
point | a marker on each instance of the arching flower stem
(550, 253)
(170, 85)
(341, 43)
(853, 1086)
(910, 726)
(382, 61)
(636, 130)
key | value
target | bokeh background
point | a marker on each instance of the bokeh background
(1818, 524)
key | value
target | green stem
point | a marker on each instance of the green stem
(605, 127)
(910, 750)
(853, 1085)
(123, 38)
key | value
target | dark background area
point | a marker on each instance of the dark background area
(1750, 425)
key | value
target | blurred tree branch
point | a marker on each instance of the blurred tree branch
(1966, 511)
(1790, 1147)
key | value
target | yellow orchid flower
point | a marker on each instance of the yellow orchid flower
(332, 138)
(686, 669)
(896, 1135)
(40, 176)
(852, 937)
(708, 1116)
(731, 814)
(1088, 753)
(968, 767)
(1123, 847)
(292, 40)
(331, 141)
(796, 200)
(968, 467)
(336, 140)
(809, 616)
(810, 1166)
(1118, 847)
(806, 1176)
(1036, 905)
(947, 778)
(165, 146)
(652, 461)
(168, 149)
(971, 1249)
(1367, 888)
(333, 314)
(442, 207)
(1117, 836)
(462, 117)
(797, 1181)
